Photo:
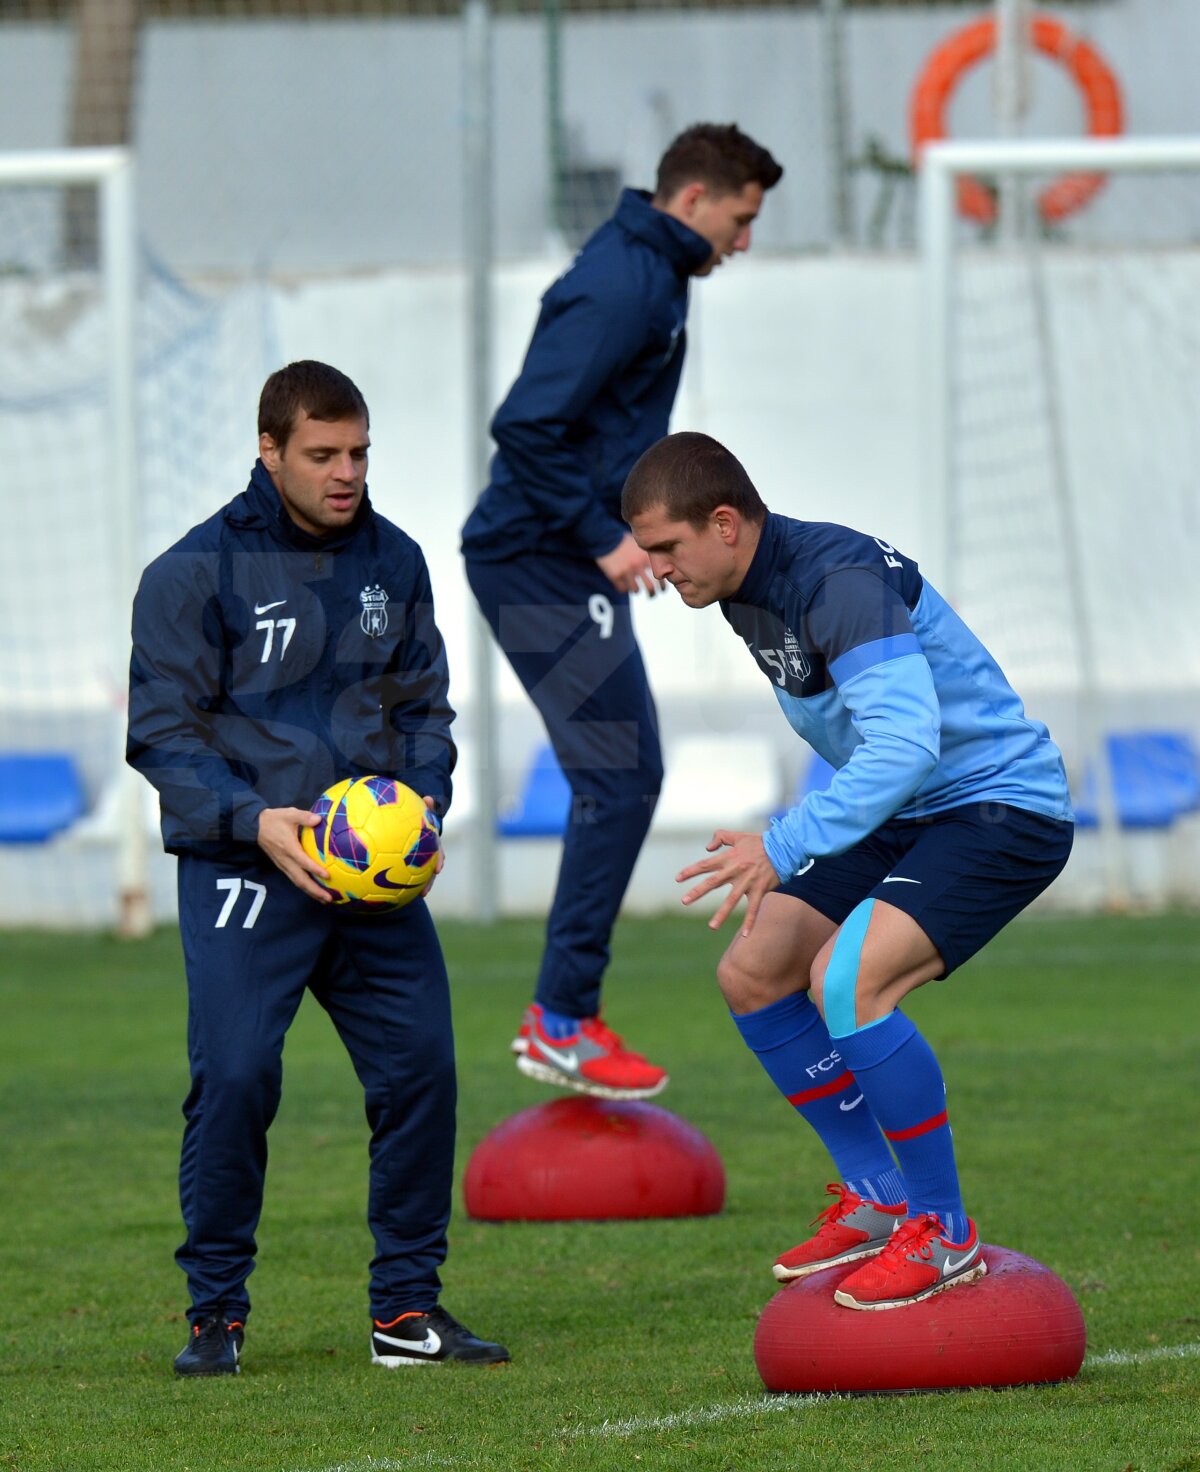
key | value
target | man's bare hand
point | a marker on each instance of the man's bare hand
(627, 568)
(740, 861)
(441, 858)
(279, 839)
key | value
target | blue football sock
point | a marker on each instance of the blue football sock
(886, 1187)
(558, 1025)
(956, 1225)
(790, 1040)
(902, 1082)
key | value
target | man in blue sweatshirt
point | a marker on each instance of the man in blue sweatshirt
(553, 566)
(948, 813)
(286, 642)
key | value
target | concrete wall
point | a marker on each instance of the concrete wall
(326, 145)
(808, 368)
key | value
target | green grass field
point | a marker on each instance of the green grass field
(1072, 1058)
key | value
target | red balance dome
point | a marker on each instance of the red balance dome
(581, 1158)
(1019, 1325)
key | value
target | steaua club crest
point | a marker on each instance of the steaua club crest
(796, 659)
(374, 614)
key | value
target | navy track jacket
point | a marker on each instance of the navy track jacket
(596, 389)
(268, 664)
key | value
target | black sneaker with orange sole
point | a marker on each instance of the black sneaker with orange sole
(432, 1338)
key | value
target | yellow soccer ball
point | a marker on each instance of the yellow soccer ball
(378, 841)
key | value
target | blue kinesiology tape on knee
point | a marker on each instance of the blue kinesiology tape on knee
(841, 977)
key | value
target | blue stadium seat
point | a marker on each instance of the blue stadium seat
(40, 795)
(1156, 778)
(545, 802)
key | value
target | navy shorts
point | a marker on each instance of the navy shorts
(962, 875)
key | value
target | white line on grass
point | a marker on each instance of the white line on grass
(747, 1406)
(702, 1415)
(1141, 1356)
(386, 1464)
(753, 1405)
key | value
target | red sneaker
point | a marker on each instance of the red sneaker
(851, 1227)
(520, 1044)
(591, 1060)
(917, 1263)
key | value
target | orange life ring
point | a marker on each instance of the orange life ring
(959, 52)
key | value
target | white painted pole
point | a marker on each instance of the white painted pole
(1011, 104)
(118, 250)
(1083, 155)
(841, 197)
(935, 223)
(62, 165)
(477, 179)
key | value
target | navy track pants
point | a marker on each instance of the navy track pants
(252, 944)
(568, 635)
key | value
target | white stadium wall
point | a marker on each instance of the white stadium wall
(290, 227)
(809, 369)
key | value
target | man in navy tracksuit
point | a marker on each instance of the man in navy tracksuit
(552, 564)
(287, 642)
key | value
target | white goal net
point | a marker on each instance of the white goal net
(68, 420)
(126, 412)
(1064, 446)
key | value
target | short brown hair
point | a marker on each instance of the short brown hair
(689, 475)
(307, 387)
(719, 155)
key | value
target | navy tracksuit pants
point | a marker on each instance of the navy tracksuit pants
(252, 944)
(568, 635)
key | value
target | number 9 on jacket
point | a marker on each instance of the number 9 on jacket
(378, 841)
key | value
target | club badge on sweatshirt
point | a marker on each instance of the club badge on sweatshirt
(374, 619)
(795, 657)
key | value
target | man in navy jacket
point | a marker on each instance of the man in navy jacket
(286, 642)
(552, 564)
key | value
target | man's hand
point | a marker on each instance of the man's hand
(279, 839)
(441, 858)
(627, 568)
(744, 867)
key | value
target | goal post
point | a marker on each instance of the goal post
(68, 396)
(1061, 450)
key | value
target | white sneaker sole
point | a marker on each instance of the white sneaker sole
(789, 1275)
(395, 1361)
(970, 1276)
(544, 1074)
